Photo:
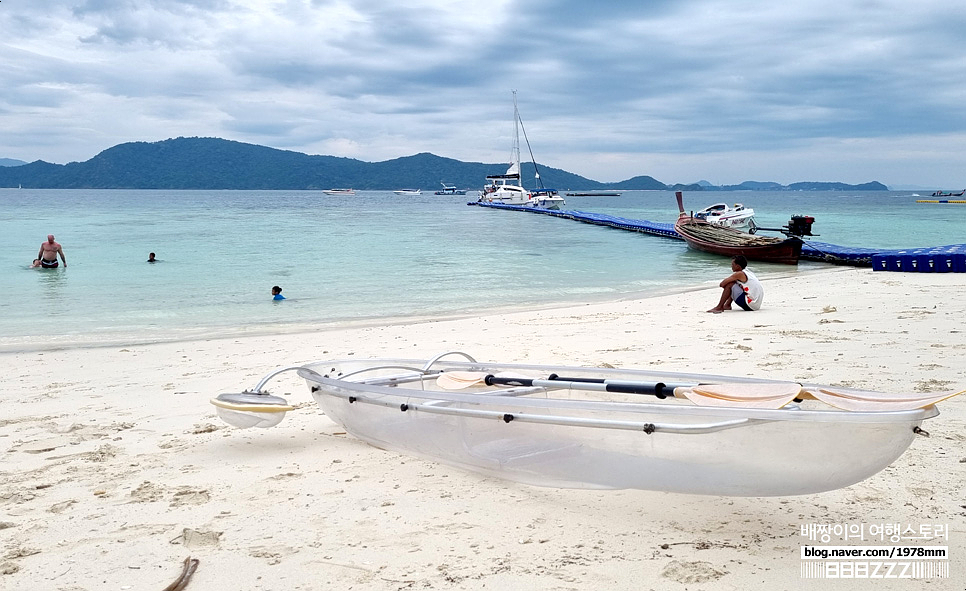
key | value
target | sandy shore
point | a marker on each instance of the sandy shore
(115, 468)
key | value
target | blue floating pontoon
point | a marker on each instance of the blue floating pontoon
(937, 259)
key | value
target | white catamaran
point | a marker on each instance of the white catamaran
(507, 189)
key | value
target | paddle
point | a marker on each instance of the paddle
(736, 394)
(749, 395)
(658, 389)
(761, 395)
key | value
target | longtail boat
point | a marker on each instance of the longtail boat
(706, 237)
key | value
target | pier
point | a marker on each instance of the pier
(937, 259)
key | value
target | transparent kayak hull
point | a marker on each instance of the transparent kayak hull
(573, 438)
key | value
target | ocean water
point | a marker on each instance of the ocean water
(369, 257)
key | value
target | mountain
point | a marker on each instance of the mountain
(873, 186)
(805, 186)
(213, 163)
(11, 162)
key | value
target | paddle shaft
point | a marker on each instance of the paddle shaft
(658, 389)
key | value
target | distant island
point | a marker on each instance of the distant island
(213, 163)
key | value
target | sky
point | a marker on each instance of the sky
(680, 90)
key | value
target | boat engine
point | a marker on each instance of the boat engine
(800, 225)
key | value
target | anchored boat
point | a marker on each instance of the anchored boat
(607, 428)
(720, 214)
(449, 190)
(707, 237)
(507, 188)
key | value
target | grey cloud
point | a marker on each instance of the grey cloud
(694, 77)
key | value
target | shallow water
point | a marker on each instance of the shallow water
(369, 257)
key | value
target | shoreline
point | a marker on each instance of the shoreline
(116, 467)
(41, 343)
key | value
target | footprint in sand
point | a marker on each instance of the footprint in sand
(193, 538)
(688, 572)
(70, 435)
(932, 385)
(270, 555)
(148, 492)
(189, 496)
(204, 428)
(17, 497)
(62, 506)
(8, 568)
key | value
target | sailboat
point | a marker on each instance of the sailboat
(507, 189)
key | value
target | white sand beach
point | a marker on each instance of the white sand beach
(115, 468)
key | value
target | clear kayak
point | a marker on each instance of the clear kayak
(579, 427)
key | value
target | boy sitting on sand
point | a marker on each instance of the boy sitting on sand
(741, 287)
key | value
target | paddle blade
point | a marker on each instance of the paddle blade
(767, 396)
(459, 380)
(875, 401)
(765, 403)
(759, 391)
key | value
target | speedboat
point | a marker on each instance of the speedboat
(720, 214)
(450, 190)
(408, 191)
(580, 427)
(546, 199)
(339, 191)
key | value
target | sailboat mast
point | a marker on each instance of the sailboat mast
(515, 154)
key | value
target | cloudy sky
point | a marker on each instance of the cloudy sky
(682, 90)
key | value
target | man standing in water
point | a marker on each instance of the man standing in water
(48, 253)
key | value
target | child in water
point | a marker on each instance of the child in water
(277, 293)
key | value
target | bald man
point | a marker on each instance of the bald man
(48, 253)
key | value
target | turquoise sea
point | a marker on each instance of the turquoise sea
(369, 257)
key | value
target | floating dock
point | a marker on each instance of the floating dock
(938, 259)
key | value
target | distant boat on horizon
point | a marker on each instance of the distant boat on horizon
(450, 190)
(339, 191)
(594, 194)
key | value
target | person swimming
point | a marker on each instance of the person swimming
(277, 293)
(151, 258)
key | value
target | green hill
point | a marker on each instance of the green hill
(213, 163)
